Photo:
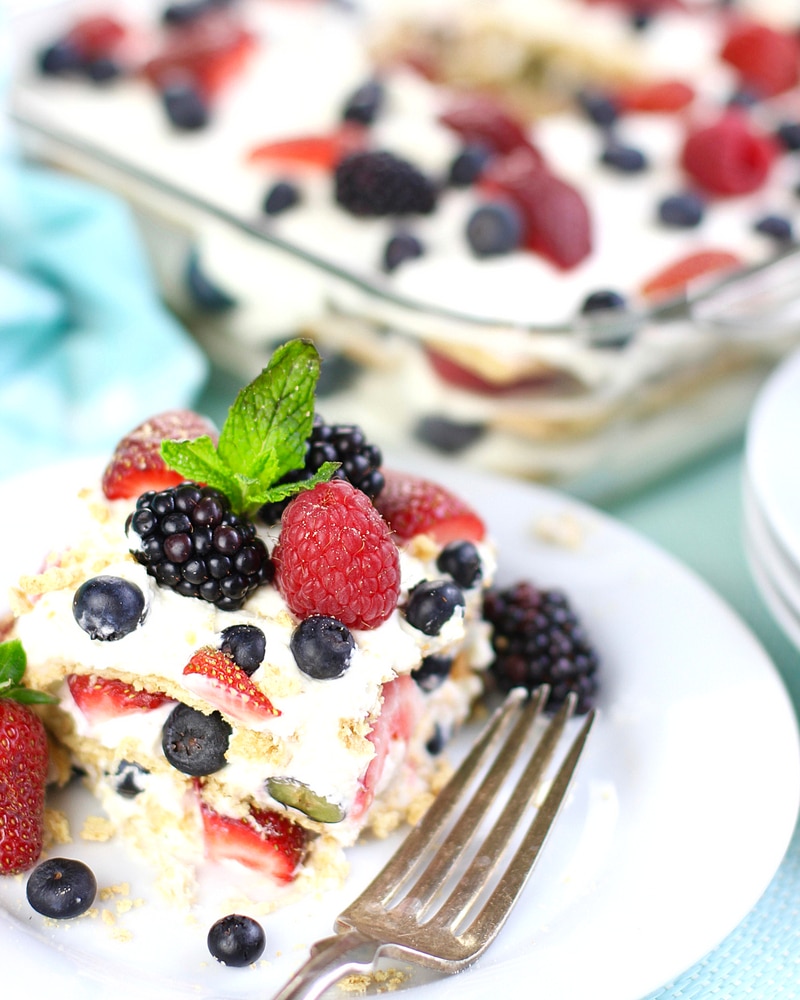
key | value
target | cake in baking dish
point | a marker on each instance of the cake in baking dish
(257, 675)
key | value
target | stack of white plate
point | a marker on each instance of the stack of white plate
(771, 488)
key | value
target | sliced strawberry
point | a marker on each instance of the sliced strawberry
(481, 122)
(222, 683)
(267, 841)
(730, 156)
(557, 222)
(464, 378)
(323, 151)
(401, 711)
(768, 60)
(412, 505)
(674, 278)
(96, 36)
(137, 466)
(664, 96)
(101, 698)
(210, 50)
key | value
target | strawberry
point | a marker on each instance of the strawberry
(459, 375)
(96, 36)
(481, 122)
(323, 150)
(768, 60)
(674, 278)
(730, 156)
(335, 556)
(266, 841)
(401, 711)
(412, 505)
(223, 684)
(137, 466)
(101, 698)
(23, 765)
(663, 96)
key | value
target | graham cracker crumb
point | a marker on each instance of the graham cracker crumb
(275, 684)
(423, 547)
(251, 745)
(564, 530)
(353, 733)
(420, 805)
(386, 981)
(56, 827)
(108, 892)
(108, 918)
(97, 828)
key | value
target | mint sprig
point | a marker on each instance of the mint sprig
(13, 662)
(264, 435)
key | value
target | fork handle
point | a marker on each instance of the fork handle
(330, 960)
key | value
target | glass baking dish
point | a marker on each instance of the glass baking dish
(598, 403)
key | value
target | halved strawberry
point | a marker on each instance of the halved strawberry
(137, 466)
(96, 36)
(455, 374)
(222, 683)
(664, 96)
(401, 711)
(324, 150)
(101, 698)
(674, 278)
(413, 505)
(267, 841)
(480, 121)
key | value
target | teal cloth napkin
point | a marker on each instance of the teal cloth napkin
(87, 349)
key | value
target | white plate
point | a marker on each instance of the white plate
(674, 829)
(770, 454)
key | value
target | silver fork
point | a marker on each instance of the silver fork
(443, 897)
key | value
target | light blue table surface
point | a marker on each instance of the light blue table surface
(695, 514)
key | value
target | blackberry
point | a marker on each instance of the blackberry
(377, 183)
(538, 639)
(344, 443)
(192, 543)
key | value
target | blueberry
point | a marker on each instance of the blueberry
(437, 742)
(59, 58)
(195, 743)
(610, 333)
(203, 292)
(467, 165)
(282, 196)
(494, 229)
(322, 647)
(625, 159)
(446, 435)
(236, 940)
(400, 247)
(684, 211)
(603, 300)
(462, 561)
(128, 779)
(185, 106)
(246, 645)
(598, 107)
(102, 69)
(365, 103)
(776, 226)
(185, 11)
(61, 888)
(432, 603)
(108, 607)
(432, 672)
(788, 134)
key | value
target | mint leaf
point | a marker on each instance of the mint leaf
(12, 667)
(264, 436)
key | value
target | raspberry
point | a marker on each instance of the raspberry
(767, 60)
(728, 157)
(378, 183)
(335, 556)
(538, 639)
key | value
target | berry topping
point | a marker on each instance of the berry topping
(102, 698)
(195, 743)
(359, 462)
(378, 183)
(730, 156)
(399, 248)
(282, 196)
(768, 60)
(494, 229)
(431, 605)
(432, 672)
(462, 561)
(322, 647)
(246, 645)
(675, 277)
(216, 678)
(683, 211)
(336, 557)
(364, 104)
(290, 792)
(412, 505)
(61, 888)
(319, 151)
(193, 544)
(266, 841)
(236, 940)
(23, 765)
(108, 608)
(538, 639)
(481, 122)
(137, 464)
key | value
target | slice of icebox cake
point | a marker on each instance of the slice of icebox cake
(260, 640)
